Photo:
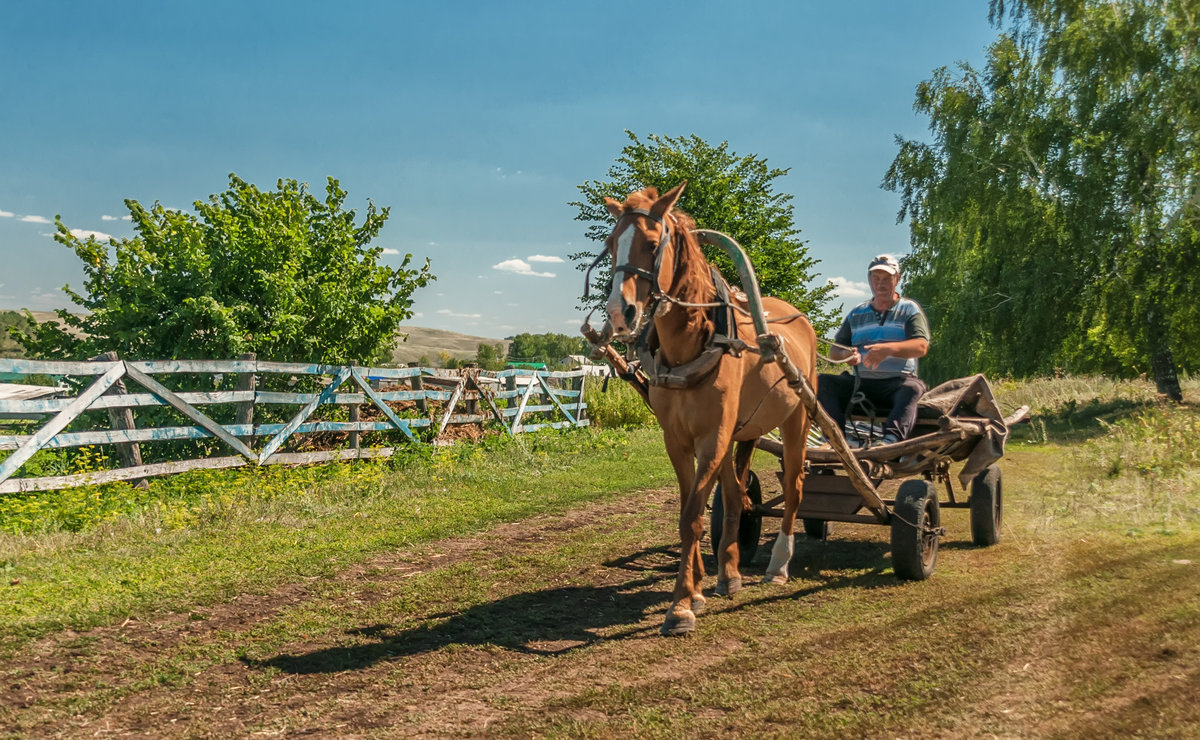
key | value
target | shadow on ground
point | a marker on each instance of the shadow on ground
(559, 620)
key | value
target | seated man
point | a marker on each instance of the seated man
(884, 338)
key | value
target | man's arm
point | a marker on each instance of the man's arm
(907, 349)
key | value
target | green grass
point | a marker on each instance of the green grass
(207, 536)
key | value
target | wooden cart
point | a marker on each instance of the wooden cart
(960, 424)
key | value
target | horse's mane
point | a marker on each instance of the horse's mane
(693, 280)
(692, 276)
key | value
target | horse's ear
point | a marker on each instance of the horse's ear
(664, 204)
(614, 206)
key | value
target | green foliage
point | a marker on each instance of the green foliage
(617, 406)
(280, 273)
(490, 356)
(1054, 216)
(12, 326)
(725, 192)
(549, 348)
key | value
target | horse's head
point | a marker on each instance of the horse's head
(642, 262)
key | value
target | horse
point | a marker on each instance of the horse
(662, 290)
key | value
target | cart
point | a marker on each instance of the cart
(957, 421)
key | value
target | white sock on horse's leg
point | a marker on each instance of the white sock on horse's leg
(781, 555)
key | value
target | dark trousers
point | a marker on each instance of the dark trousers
(900, 394)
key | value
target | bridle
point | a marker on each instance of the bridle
(630, 269)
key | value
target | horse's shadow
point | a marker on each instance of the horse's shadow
(559, 620)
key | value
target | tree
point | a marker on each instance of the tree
(490, 356)
(725, 192)
(280, 273)
(549, 348)
(1063, 181)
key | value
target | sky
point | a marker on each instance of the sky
(475, 122)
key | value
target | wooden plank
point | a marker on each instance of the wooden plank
(553, 425)
(450, 407)
(43, 367)
(399, 423)
(61, 420)
(301, 415)
(129, 400)
(167, 367)
(22, 485)
(188, 410)
(552, 397)
(487, 396)
(121, 418)
(304, 458)
(247, 382)
(300, 368)
(516, 423)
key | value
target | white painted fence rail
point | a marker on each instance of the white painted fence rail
(440, 398)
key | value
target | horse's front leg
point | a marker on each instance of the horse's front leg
(795, 438)
(687, 601)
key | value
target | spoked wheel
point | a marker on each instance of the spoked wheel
(817, 529)
(916, 530)
(749, 527)
(986, 507)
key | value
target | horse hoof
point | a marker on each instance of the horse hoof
(699, 604)
(778, 579)
(679, 622)
(728, 587)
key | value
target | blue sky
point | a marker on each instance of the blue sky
(474, 121)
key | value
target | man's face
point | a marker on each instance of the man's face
(883, 283)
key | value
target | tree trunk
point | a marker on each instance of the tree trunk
(1162, 360)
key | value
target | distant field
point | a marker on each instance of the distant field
(432, 342)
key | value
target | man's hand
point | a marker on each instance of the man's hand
(876, 353)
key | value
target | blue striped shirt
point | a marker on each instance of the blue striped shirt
(864, 325)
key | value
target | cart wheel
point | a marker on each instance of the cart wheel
(817, 529)
(986, 507)
(916, 525)
(749, 528)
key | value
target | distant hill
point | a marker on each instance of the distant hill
(432, 342)
(429, 343)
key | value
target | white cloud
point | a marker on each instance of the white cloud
(107, 217)
(543, 258)
(454, 315)
(520, 267)
(850, 291)
(389, 250)
(6, 214)
(36, 220)
(99, 236)
(498, 292)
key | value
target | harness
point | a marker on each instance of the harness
(724, 337)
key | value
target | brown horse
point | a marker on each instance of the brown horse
(660, 275)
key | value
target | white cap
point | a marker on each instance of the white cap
(885, 262)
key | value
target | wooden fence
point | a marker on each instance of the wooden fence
(406, 400)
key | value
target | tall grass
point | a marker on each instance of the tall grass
(616, 405)
(1124, 458)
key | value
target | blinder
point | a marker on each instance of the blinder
(631, 269)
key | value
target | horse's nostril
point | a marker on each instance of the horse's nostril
(631, 313)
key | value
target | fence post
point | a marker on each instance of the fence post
(418, 386)
(354, 436)
(121, 419)
(244, 411)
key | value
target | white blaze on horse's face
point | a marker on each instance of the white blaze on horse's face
(624, 313)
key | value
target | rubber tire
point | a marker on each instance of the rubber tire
(987, 507)
(817, 529)
(749, 528)
(914, 552)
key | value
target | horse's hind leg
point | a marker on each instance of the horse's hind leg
(795, 439)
